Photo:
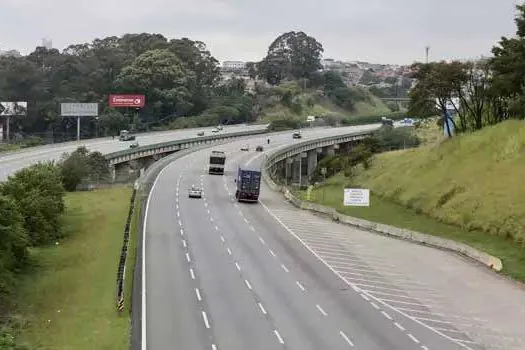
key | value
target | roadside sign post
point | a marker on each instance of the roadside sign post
(356, 197)
(79, 110)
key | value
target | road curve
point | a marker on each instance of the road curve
(13, 161)
(223, 275)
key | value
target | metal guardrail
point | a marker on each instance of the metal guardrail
(121, 272)
(171, 146)
(292, 150)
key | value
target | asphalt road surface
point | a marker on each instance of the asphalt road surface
(225, 275)
(11, 162)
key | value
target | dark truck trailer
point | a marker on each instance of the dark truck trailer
(248, 185)
(217, 160)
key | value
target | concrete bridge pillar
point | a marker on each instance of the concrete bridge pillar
(312, 163)
(329, 151)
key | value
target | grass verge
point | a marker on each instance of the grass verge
(69, 300)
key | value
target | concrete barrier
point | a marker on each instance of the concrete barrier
(416, 237)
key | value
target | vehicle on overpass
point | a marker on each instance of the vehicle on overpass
(220, 127)
(245, 148)
(387, 121)
(217, 160)
(125, 135)
(259, 148)
(297, 135)
(195, 192)
(134, 145)
(214, 130)
(200, 133)
(248, 185)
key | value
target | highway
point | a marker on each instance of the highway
(224, 275)
(13, 161)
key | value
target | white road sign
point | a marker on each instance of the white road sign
(79, 109)
(356, 197)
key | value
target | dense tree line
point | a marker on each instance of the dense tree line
(479, 93)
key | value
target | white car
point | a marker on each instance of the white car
(195, 192)
(215, 130)
(245, 148)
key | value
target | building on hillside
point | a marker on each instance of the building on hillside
(10, 53)
(233, 65)
(47, 43)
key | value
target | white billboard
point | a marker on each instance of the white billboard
(356, 197)
(13, 108)
(79, 109)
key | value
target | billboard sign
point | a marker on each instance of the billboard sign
(13, 108)
(79, 109)
(135, 101)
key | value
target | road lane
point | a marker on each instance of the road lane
(13, 161)
(306, 303)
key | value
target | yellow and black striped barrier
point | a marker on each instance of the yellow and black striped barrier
(120, 304)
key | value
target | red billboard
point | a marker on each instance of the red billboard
(135, 101)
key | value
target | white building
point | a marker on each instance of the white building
(233, 65)
(47, 43)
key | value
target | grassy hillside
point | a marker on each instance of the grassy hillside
(290, 101)
(474, 181)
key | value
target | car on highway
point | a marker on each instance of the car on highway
(134, 145)
(245, 148)
(195, 192)
(259, 148)
(215, 130)
(297, 135)
(201, 133)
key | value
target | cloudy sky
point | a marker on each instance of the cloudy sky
(384, 31)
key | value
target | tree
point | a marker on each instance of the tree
(292, 55)
(39, 194)
(160, 75)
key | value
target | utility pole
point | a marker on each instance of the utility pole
(427, 49)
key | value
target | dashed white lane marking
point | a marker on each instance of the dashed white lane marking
(248, 284)
(374, 305)
(205, 204)
(205, 318)
(188, 257)
(180, 223)
(216, 228)
(364, 296)
(238, 266)
(278, 336)
(262, 308)
(284, 268)
(345, 337)
(177, 207)
(211, 219)
(401, 328)
(208, 211)
(386, 315)
(184, 243)
(251, 228)
(424, 347)
(262, 240)
(222, 239)
(229, 251)
(300, 286)
(413, 338)
(178, 214)
(245, 220)
(198, 293)
(192, 274)
(321, 310)
(273, 254)
(213, 347)
(181, 232)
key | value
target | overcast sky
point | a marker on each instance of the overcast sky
(383, 31)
